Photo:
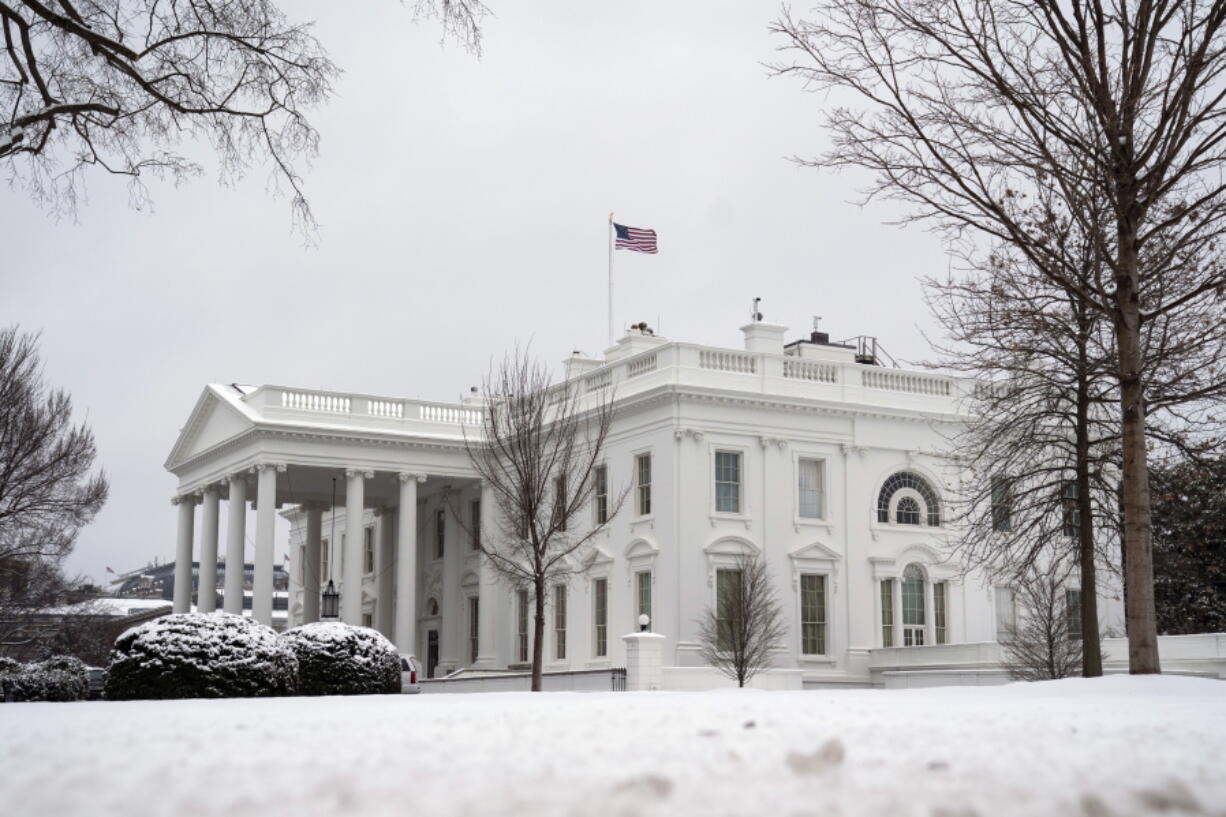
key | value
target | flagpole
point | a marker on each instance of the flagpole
(610, 279)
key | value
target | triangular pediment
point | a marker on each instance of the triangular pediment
(816, 551)
(212, 422)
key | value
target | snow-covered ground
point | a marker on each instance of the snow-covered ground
(1111, 746)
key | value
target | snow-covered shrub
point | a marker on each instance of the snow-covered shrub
(59, 678)
(9, 666)
(200, 655)
(340, 659)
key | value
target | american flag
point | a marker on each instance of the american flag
(634, 238)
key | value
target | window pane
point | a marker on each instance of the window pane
(913, 597)
(643, 463)
(559, 621)
(601, 587)
(810, 489)
(602, 494)
(727, 482)
(938, 611)
(473, 623)
(813, 614)
(644, 594)
(1072, 608)
(523, 625)
(727, 604)
(474, 522)
(887, 612)
(1005, 613)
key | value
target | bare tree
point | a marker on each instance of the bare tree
(119, 84)
(737, 635)
(539, 454)
(972, 106)
(1044, 644)
(47, 493)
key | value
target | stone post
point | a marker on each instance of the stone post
(644, 661)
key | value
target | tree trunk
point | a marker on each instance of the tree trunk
(538, 633)
(1091, 644)
(1138, 529)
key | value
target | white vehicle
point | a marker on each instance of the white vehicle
(408, 675)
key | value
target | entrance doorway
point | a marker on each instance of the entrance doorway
(431, 652)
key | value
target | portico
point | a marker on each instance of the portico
(266, 448)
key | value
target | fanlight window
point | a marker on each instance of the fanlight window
(908, 510)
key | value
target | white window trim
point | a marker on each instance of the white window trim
(594, 660)
(608, 486)
(825, 520)
(744, 514)
(819, 560)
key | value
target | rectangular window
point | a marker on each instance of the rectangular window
(600, 593)
(474, 620)
(1070, 512)
(727, 482)
(643, 586)
(602, 494)
(727, 606)
(1072, 613)
(368, 550)
(938, 612)
(474, 523)
(440, 532)
(559, 503)
(522, 629)
(367, 619)
(810, 486)
(323, 558)
(1002, 505)
(812, 614)
(302, 564)
(1006, 613)
(642, 470)
(559, 621)
(887, 612)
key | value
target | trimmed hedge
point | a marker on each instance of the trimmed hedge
(58, 678)
(200, 655)
(340, 659)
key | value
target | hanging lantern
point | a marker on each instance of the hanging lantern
(331, 602)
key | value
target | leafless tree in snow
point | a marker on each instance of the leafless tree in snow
(738, 634)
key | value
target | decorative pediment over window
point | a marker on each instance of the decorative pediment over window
(725, 553)
(470, 579)
(640, 554)
(939, 567)
(815, 558)
(598, 556)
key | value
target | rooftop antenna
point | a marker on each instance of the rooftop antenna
(755, 316)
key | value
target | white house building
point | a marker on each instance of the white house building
(832, 468)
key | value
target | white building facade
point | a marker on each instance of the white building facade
(832, 469)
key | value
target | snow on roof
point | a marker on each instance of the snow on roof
(118, 607)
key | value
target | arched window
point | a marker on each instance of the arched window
(916, 500)
(913, 618)
(908, 511)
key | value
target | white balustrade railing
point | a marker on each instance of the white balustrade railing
(810, 370)
(437, 413)
(905, 382)
(315, 401)
(599, 380)
(740, 362)
(386, 408)
(641, 365)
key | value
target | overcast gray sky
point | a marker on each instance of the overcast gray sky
(463, 208)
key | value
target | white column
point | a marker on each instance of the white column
(487, 590)
(236, 545)
(207, 594)
(183, 553)
(385, 545)
(406, 565)
(311, 569)
(351, 580)
(265, 530)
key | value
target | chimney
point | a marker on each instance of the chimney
(764, 337)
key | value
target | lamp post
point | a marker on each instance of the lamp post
(330, 608)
